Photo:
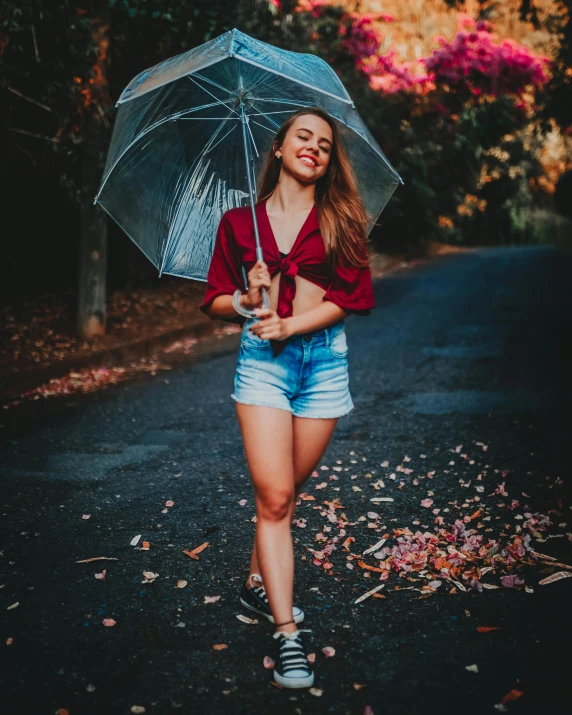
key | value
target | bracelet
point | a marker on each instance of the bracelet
(237, 306)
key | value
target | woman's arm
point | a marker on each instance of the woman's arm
(222, 309)
(320, 317)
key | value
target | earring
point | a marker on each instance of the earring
(279, 157)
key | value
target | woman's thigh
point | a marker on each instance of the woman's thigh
(268, 445)
(310, 439)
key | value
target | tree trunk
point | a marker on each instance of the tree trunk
(93, 227)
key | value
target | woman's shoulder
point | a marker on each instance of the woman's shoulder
(238, 215)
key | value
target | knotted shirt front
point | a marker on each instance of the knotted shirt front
(351, 288)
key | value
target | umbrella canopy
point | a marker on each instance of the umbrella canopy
(191, 135)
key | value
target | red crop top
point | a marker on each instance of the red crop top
(351, 288)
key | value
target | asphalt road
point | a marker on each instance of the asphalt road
(466, 360)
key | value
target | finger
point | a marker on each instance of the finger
(263, 312)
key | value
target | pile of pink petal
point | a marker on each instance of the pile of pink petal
(468, 554)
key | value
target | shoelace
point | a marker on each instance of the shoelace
(261, 593)
(292, 654)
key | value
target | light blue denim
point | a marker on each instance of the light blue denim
(308, 378)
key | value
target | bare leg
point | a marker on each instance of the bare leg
(268, 441)
(310, 438)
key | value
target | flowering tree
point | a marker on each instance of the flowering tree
(453, 124)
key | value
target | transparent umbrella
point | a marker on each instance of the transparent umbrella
(191, 135)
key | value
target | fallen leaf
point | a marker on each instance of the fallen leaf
(511, 695)
(242, 502)
(145, 546)
(14, 605)
(86, 516)
(376, 547)
(97, 558)
(365, 566)
(306, 497)
(211, 599)
(376, 500)
(472, 668)
(135, 540)
(316, 691)
(369, 593)
(329, 652)
(488, 629)
(358, 686)
(137, 709)
(246, 619)
(268, 663)
(322, 485)
(101, 575)
(194, 553)
(181, 583)
(108, 622)
(555, 577)
(170, 503)
(9, 641)
(427, 503)
(220, 646)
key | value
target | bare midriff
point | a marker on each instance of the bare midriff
(308, 295)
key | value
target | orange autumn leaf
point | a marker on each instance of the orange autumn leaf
(487, 629)
(511, 695)
(194, 552)
(347, 542)
(363, 565)
(477, 513)
(220, 646)
(335, 504)
(306, 497)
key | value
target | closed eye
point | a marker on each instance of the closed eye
(324, 148)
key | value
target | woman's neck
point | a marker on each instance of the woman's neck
(290, 196)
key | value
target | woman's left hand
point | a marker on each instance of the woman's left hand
(270, 326)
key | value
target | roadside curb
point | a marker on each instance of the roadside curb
(14, 384)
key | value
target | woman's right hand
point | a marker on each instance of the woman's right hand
(258, 276)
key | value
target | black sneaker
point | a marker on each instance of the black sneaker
(255, 599)
(292, 669)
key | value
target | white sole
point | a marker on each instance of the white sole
(297, 619)
(306, 682)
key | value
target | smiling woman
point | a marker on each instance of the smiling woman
(291, 384)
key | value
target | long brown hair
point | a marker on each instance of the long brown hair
(341, 213)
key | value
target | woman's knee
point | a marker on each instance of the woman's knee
(275, 505)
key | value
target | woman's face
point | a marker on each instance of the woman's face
(306, 148)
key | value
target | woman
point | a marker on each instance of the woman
(291, 382)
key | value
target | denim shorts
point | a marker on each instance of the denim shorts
(308, 378)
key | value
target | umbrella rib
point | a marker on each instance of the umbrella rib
(220, 101)
(149, 129)
(210, 81)
(298, 81)
(270, 129)
(210, 148)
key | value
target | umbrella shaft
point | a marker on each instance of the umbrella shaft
(250, 178)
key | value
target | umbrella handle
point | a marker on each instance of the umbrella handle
(244, 311)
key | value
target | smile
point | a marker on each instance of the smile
(310, 161)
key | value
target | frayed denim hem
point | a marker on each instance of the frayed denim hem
(325, 417)
(257, 403)
(260, 404)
